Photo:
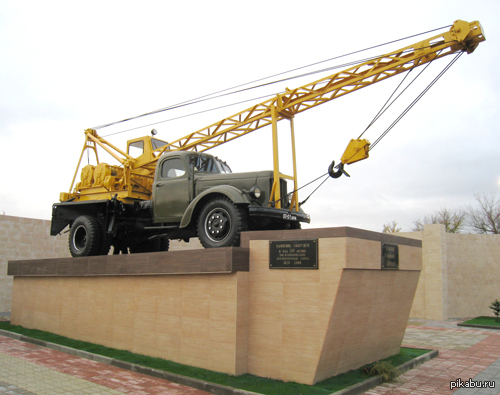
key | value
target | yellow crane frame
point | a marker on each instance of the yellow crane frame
(462, 36)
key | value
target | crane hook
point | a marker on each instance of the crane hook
(339, 172)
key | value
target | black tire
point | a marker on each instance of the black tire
(85, 237)
(220, 223)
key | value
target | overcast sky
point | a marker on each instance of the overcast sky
(67, 66)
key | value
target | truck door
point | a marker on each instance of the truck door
(171, 190)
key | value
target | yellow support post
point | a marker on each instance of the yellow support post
(275, 192)
(294, 204)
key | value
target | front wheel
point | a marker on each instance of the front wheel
(220, 223)
(85, 237)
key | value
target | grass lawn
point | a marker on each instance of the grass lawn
(246, 381)
(489, 321)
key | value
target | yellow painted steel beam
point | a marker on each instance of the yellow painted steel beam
(462, 36)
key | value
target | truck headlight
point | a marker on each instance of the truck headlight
(255, 192)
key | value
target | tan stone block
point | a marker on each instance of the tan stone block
(223, 287)
(144, 343)
(86, 317)
(223, 332)
(144, 323)
(301, 275)
(196, 308)
(145, 303)
(194, 328)
(363, 254)
(265, 361)
(259, 252)
(265, 333)
(307, 337)
(123, 314)
(268, 275)
(222, 357)
(410, 258)
(69, 324)
(300, 360)
(169, 305)
(301, 294)
(327, 366)
(331, 254)
(104, 315)
(103, 332)
(196, 287)
(169, 346)
(265, 300)
(169, 324)
(223, 310)
(196, 348)
(122, 338)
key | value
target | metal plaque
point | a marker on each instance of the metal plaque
(293, 254)
(390, 256)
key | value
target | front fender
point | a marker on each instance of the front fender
(236, 196)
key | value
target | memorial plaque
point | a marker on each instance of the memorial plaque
(390, 256)
(293, 254)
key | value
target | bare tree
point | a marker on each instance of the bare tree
(453, 220)
(391, 227)
(485, 218)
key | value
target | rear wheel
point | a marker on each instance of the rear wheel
(85, 237)
(220, 223)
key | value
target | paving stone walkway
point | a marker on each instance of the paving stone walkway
(467, 357)
(30, 369)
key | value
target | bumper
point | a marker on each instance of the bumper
(278, 213)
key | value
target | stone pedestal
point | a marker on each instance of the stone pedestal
(226, 309)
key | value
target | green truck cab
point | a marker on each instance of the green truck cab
(198, 192)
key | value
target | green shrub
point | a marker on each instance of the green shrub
(385, 370)
(495, 306)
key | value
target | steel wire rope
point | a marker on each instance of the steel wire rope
(382, 110)
(242, 90)
(361, 61)
(385, 107)
(410, 106)
(206, 97)
(227, 94)
(191, 114)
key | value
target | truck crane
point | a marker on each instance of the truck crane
(174, 190)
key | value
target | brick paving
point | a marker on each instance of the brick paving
(464, 354)
(30, 369)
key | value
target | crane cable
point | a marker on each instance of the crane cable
(410, 106)
(208, 96)
(195, 101)
(379, 114)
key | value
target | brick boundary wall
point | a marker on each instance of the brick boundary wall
(24, 238)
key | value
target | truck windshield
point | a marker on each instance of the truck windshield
(209, 164)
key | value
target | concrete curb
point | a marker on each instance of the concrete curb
(212, 388)
(375, 381)
(479, 326)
